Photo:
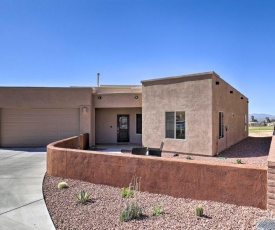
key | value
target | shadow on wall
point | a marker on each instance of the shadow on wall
(249, 147)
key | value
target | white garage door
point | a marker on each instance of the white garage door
(37, 127)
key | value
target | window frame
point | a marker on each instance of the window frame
(221, 124)
(175, 124)
(137, 123)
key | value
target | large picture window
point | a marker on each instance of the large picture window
(221, 126)
(139, 123)
(175, 125)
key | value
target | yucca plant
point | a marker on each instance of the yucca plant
(62, 184)
(199, 210)
(83, 196)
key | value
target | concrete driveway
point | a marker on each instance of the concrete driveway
(21, 199)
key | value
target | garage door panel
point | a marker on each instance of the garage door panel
(37, 127)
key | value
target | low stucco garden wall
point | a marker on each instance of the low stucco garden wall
(271, 176)
(236, 184)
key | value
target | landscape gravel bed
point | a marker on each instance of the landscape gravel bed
(103, 211)
(251, 151)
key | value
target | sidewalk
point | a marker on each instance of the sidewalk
(21, 175)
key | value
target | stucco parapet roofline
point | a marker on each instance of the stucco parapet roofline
(180, 78)
(48, 87)
(117, 89)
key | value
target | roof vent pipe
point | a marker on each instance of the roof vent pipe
(98, 76)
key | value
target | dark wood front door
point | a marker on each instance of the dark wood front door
(122, 128)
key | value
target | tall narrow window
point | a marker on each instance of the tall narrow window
(170, 121)
(221, 128)
(175, 125)
(139, 123)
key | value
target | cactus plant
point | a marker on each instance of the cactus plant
(199, 210)
(62, 184)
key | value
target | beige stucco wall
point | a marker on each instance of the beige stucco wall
(50, 98)
(234, 109)
(106, 124)
(42, 97)
(192, 94)
(117, 100)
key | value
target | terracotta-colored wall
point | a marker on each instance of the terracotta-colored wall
(73, 142)
(192, 94)
(271, 176)
(106, 125)
(236, 184)
(234, 109)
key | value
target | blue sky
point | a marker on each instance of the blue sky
(65, 43)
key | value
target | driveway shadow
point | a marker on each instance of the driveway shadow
(32, 150)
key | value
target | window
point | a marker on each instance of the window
(175, 125)
(139, 123)
(221, 128)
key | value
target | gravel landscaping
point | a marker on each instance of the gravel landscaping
(252, 151)
(102, 212)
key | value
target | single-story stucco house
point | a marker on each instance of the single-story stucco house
(193, 114)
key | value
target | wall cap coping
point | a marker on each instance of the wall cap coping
(196, 162)
(204, 75)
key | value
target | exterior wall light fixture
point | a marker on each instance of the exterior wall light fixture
(84, 110)
(99, 97)
(136, 97)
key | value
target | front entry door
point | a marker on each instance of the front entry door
(122, 128)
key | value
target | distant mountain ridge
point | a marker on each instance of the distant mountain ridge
(261, 117)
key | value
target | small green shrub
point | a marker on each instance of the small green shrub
(131, 211)
(62, 184)
(239, 161)
(83, 196)
(127, 192)
(188, 158)
(199, 210)
(157, 210)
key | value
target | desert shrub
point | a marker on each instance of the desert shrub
(83, 196)
(199, 210)
(62, 184)
(127, 192)
(188, 158)
(157, 210)
(131, 211)
(239, 161)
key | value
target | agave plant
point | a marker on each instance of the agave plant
(83, 196)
